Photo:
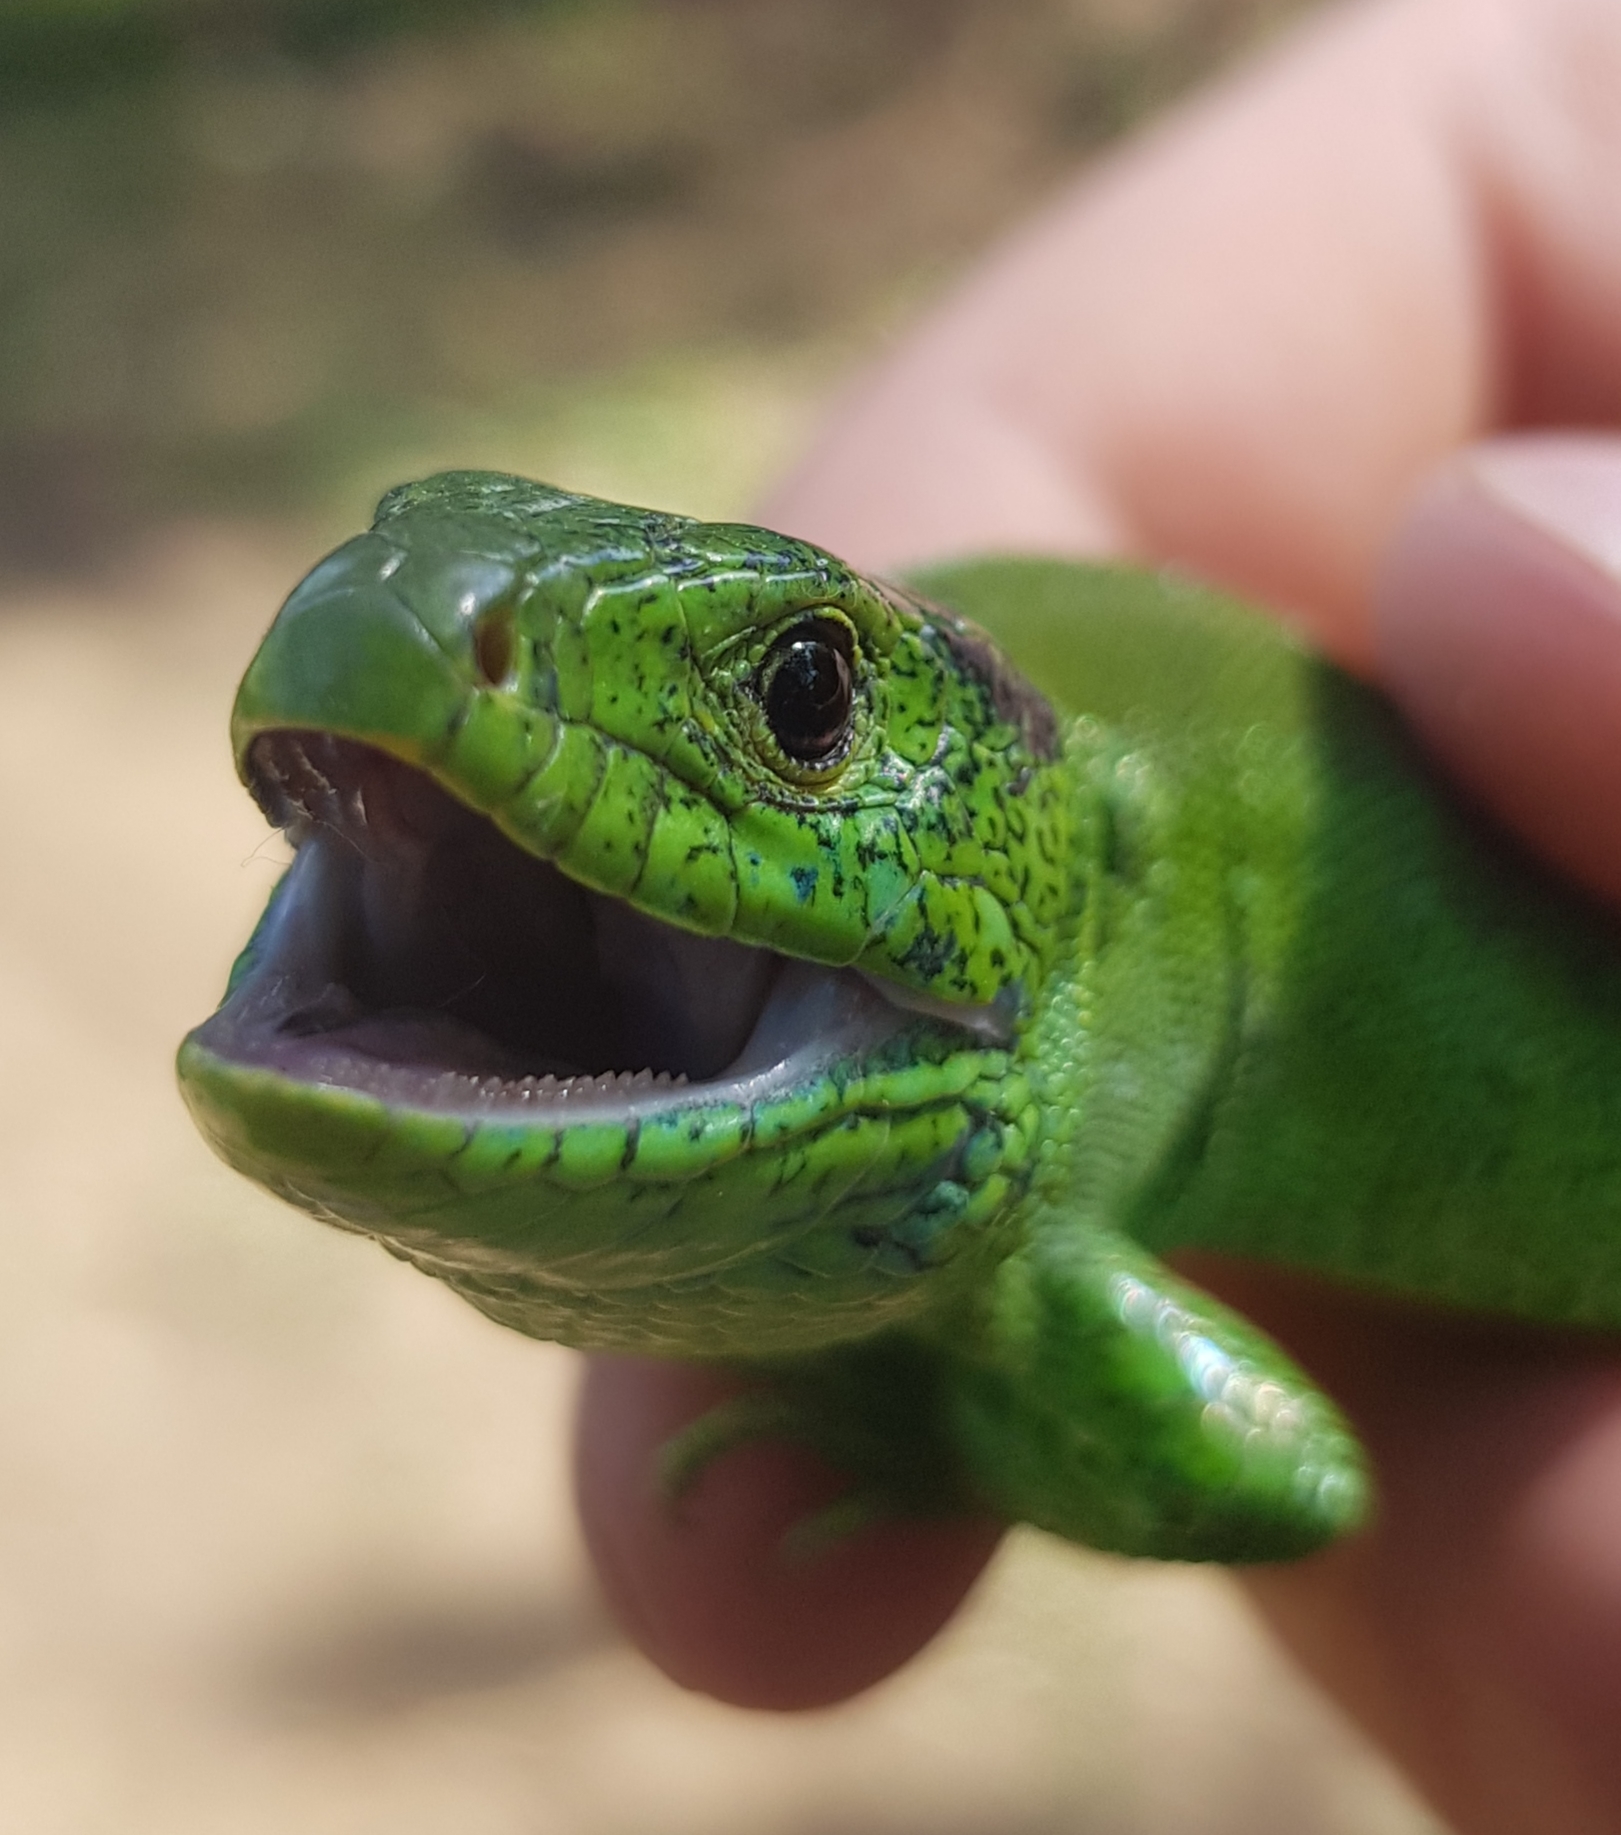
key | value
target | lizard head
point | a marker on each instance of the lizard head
(667, 908)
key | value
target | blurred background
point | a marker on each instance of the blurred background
(284, 1529)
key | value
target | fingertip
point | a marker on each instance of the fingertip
(1498, 632)
(705, 1584)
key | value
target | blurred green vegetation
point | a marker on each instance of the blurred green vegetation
(50, 45)
(255, 252)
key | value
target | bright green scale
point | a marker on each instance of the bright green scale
(1215, 962)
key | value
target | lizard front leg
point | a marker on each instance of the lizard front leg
(1116, 1405)
(1098, 1397)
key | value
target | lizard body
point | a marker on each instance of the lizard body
(693, 948)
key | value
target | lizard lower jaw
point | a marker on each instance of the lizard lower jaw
(416, 955)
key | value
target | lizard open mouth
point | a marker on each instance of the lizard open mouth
(416, 954)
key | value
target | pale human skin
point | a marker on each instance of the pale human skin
(1300, 339)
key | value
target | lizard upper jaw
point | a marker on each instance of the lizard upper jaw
(416, 954)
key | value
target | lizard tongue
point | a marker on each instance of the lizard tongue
(666, 1001)
(683, 1002)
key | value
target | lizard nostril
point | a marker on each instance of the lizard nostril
(495, 645)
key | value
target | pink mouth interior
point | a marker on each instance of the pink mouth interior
(447, 946)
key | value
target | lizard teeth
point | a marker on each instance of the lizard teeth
(551, 1088)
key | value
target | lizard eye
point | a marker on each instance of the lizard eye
(809, 696)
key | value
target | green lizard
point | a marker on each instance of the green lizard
(696, 949)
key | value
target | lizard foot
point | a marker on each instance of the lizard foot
(865, 1411)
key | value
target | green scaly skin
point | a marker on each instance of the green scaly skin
(1216, 962)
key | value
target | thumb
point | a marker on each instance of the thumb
(1499, 634)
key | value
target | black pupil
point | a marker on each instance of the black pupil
(810, 696)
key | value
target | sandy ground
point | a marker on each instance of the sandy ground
(284, 1529)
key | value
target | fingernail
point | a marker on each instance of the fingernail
(1568, 484)
(1498, 632)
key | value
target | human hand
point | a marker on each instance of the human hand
(1247, 344)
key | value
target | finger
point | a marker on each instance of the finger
(1475, 1629)
(1241, 344)
(1499, 633)
(705, 1584)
